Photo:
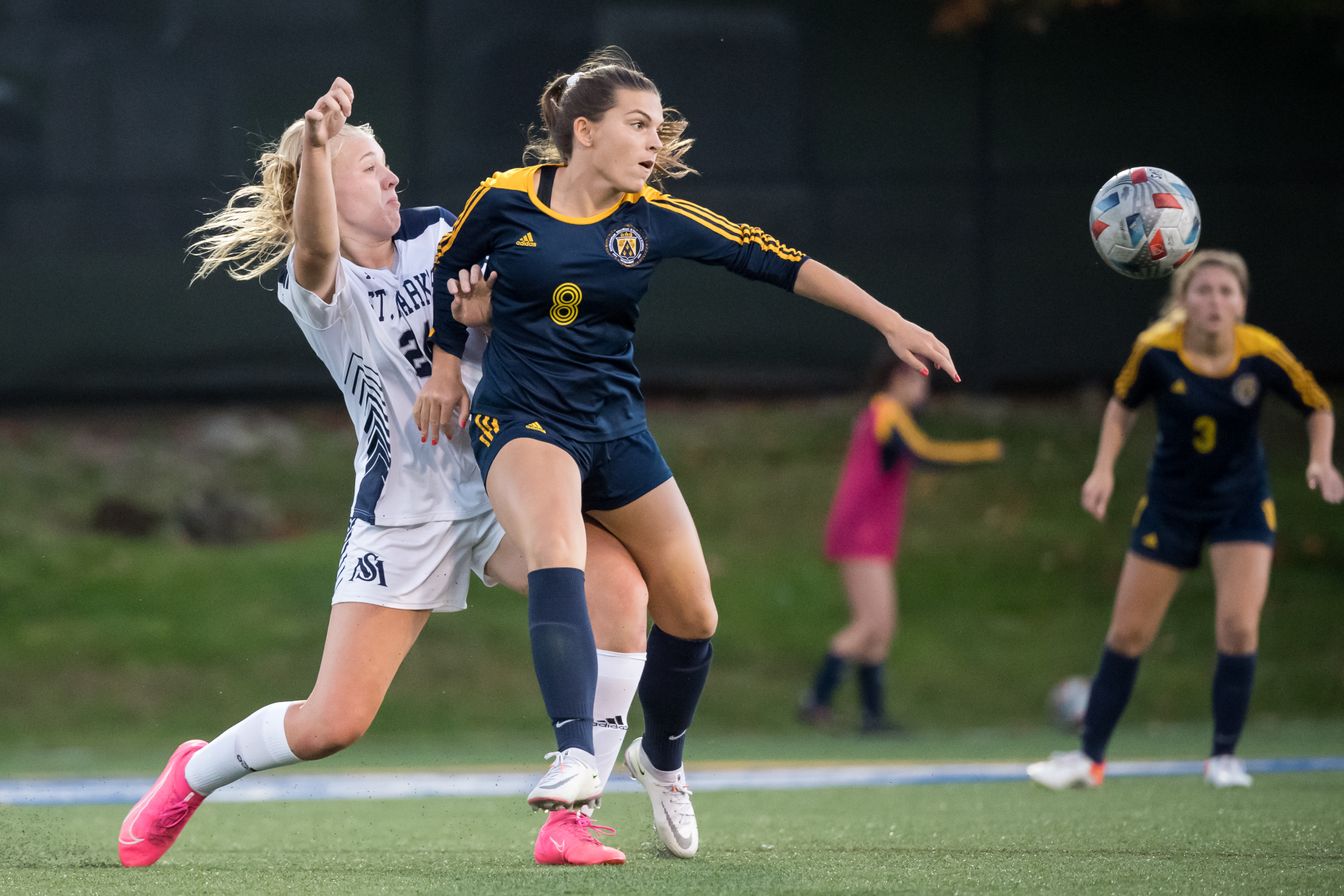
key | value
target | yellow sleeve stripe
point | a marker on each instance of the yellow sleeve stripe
(708, 223)
(446, 243)
(1313, 396)
(736, 233)
(892, 416)
(701, 211)
(1130, 372)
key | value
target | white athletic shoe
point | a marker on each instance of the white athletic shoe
(1226, 770)
(1064, 770)
(673, 815)
(571, 781)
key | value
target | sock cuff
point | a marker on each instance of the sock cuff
(623, 666)
(273, 739)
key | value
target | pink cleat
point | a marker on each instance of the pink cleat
(153, 824)
(567, 838)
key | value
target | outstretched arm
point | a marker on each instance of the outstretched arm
(1115, 426)
(1321, 471)
(912, 343)
(317, 238)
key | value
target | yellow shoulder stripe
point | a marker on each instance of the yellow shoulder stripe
(448, 238)
(1256, 341)
(708, 224)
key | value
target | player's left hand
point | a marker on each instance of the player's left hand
(918, 347)
(1326, 479)
(471, 292)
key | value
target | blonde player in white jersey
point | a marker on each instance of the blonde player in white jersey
(355, 269)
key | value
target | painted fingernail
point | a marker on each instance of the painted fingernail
(924, 371)
(423, 440)
(957, 378)
(435, 442)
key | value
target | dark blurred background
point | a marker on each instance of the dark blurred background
(942, 154)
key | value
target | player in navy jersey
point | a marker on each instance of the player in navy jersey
(558, 423)
(354, 270)
(1207, 372)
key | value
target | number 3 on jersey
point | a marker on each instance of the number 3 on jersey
(565, 304)
(1206, 434)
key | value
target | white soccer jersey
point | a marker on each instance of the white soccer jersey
(374, 340)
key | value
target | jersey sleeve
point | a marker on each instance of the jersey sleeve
(898, 434)
(687, 230)
(467, 243)
(310, 309)
(1137, 378)
(1292, 382)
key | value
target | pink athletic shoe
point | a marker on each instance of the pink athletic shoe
(567, 838)
(154, 823)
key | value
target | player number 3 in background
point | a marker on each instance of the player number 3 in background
(565, 304)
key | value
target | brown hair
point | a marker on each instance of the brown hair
(1173, 307)
(589, 92)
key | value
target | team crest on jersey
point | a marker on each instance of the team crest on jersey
(627, 245)
(1246, 389)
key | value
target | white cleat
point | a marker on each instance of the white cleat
(571, 781)
(673, 815)
(1065, 770)
(1226, 770)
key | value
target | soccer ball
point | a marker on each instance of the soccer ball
(1068, 702)
(1145, 223)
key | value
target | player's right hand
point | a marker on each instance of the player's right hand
(1097, 493)
(443, 403)
(328, 115)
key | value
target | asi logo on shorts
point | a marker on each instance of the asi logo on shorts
(369, 568)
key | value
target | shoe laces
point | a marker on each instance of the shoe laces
(678, 799)
(172, 818)
(588, 829)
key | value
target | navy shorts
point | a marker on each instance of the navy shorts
(1176, 539)
(614, 473)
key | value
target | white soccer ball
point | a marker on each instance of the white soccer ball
(1145, 223)
(1068, 702)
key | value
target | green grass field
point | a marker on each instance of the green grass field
(1132, 836)
(114, 648)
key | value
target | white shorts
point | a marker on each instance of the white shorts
(424, 567)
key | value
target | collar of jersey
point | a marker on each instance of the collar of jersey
(546, 209)
(1237, 354)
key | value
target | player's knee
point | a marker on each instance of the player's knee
(1237, 636)
(330, 734)
(1129, 642)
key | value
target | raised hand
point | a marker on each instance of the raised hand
(328, 115)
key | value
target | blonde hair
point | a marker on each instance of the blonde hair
(1173, 306)
(254, 231)
(588, 93)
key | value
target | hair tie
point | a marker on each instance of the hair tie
(572, 80)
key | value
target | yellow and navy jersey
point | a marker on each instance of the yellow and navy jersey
(1209, 456)
(567, 299)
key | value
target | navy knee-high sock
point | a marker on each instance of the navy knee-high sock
(563, 653)
(1232, 680)
(1111, 688)
(830, 672)
(674, 676)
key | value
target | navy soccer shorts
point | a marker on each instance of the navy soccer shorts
(1176, 539)
(614, 473)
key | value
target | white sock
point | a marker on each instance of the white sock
(255, 744)
(617, 681)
